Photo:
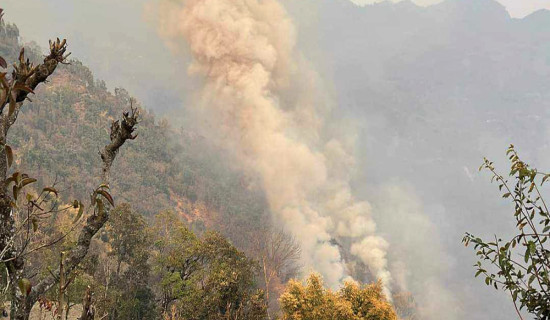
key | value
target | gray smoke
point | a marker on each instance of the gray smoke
(244, 52)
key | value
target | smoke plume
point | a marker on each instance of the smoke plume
(259, 99)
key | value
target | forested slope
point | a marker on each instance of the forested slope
(59, 134)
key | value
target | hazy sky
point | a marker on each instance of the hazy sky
(116, 40)
(516, 8)
(112, 37)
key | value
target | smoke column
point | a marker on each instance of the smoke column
(257, 99)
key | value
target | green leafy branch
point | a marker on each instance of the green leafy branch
(520, 265)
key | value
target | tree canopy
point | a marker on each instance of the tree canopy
(352, 302)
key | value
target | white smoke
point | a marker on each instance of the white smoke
(419, 262)
(259, 100)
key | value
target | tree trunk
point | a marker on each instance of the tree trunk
(88, 312)
(61, 297)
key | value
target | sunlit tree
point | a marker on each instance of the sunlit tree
(352, 302)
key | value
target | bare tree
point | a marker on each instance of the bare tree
(17, 224)
(278, 254)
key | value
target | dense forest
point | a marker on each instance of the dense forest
(187, 237)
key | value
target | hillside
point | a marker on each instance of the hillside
(58, 135)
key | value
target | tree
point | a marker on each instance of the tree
(352, 302)
(173, 257)
(126, 233)
(18, 222)
(204, 278)
(278, 255)
(520, 265)
(405, 306)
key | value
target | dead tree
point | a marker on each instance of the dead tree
(14, 90)
(278, 255)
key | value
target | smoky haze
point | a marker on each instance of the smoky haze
(113, 38)
(428, 91)
(517, 9)
(435, 90)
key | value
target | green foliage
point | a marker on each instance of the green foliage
(126, 232)
(206, 278)
(129, 293)
(521, 264)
